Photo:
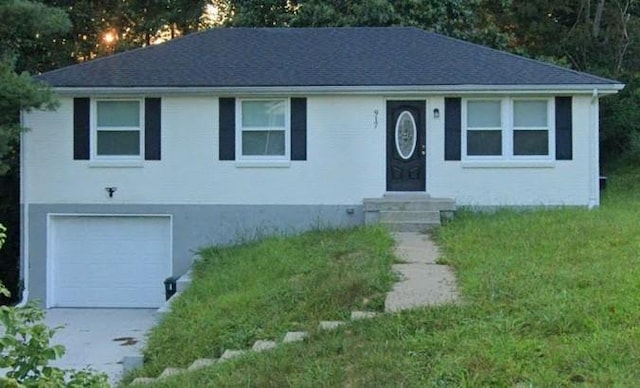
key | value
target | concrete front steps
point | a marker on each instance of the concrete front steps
(408, 212)
(258, 346)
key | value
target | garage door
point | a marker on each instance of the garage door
(103, 261)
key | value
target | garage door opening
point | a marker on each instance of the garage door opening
(108, 261)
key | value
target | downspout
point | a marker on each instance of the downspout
(594, 157)
(24, 223)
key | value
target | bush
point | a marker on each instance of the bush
(25, 350)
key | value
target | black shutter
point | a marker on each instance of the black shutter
(81, 128)
(564, 124)
(152, 128)
(298, 129)
(227, 128)
(452, 128)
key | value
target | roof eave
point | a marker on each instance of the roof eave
(550, 89)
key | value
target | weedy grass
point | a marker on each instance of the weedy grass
(263, 289)
(550, 299)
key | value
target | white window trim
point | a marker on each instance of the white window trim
(93, 138)
(507, 120)
(287, 131)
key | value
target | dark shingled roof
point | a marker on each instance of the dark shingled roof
(251, 57)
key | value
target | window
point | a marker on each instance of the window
(507, 128)
(264, 129)
(530, 127)
(118, 129)
(484, 128)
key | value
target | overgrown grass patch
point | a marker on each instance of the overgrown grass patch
(263, 289)
(550, 299)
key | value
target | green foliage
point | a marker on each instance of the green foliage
(3, 235)
(460, 19)
(26, 351)
(620, 131)
(262, 290)
(17, 92)
(27, 31)
(550, 299)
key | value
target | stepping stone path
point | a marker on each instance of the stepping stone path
(202, 363)
(229, 354)
(330, 325)
(295, 336)
(423, 283)
(261, 346)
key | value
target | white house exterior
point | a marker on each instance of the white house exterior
(130, 176)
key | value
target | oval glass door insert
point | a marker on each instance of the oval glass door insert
(406, 135)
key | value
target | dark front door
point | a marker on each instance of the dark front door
(406, 147)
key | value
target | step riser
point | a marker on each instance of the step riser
(408, 205)
(410, 216)
(409, 226)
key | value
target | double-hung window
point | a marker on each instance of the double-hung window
(264, 129)
(484, 128)
(531, 128)
(118, 130)
(507, 129)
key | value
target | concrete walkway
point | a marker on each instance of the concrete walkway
(423, 282)
(99, 338)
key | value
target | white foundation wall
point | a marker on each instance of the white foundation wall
(345, 160)
(518, 183)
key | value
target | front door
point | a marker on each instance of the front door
(406, 147)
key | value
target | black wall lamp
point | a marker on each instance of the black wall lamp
(111, 191)
(436, 113)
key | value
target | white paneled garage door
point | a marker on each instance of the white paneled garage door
(108, 261)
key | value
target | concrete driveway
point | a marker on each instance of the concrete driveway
(100, 338)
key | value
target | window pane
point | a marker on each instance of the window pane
(483, 114)
(118, 114)
(118, 142)
(263, 114)
(263, 143)
(484, 143)
(530, 114)
(531, 142)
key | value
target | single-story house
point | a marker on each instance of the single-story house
(232, 133)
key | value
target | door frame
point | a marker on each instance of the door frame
(424, 133)
(50, 249)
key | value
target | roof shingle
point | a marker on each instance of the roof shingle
(357, 56)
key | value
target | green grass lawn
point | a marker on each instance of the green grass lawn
(551, 298)
(262, 290)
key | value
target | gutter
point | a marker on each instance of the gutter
(24, 224)
(402, 90)
(594, 157)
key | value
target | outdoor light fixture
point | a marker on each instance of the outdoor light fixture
(111, 190)
(436, 113)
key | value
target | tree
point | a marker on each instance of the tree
(25, 24)
(596, 36)
(461, 19)
(25, 27)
